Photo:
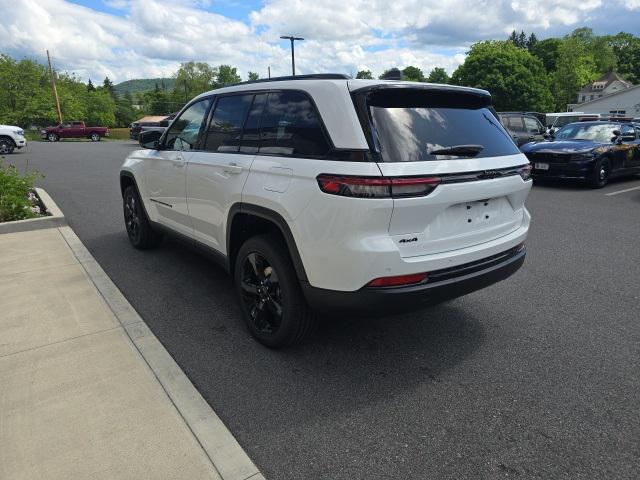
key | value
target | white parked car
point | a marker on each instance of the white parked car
(323, 193)
(11, 137)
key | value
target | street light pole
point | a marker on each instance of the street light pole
(293, 56)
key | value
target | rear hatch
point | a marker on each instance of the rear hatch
(450, 136)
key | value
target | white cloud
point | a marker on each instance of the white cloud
(150, 38)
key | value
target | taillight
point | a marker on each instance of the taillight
(377, 187)
(398, 280)
(525, 172)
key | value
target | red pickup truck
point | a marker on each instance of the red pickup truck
(74, 130)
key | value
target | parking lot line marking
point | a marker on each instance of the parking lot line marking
(623, 191)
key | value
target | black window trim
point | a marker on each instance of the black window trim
(333, 150)
(212, 98)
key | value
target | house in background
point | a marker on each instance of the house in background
(607, 84)
(622, 103)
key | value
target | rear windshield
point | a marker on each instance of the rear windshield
(417, 125)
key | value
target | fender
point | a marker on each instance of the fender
(278, 221)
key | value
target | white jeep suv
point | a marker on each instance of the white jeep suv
(320, 192)
(11, 137)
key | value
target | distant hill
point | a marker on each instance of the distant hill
(144, 85)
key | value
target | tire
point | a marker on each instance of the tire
(6, 146)
(139, 230)
(52, 137)
(95, 137)
(274, 309)
(601, 173)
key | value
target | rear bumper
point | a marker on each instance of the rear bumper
(455, 282)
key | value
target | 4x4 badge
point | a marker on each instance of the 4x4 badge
(408, 240)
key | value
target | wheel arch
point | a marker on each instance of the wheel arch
(126, 179)
(246, 220)
(7, 137)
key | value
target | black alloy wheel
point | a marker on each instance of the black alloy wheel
(261, 294)
(132, 216)
(271, 300)
(139, 230)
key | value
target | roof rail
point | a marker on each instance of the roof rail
(313, 76)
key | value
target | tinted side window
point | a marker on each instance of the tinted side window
(251, 132)
(183, 134)
(226, 124)
(532, 125)
(627, 130)
(290, 125)
(515, 124)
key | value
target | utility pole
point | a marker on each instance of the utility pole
(55, 91)
(269, 70)
(185, 91)
(293, 57)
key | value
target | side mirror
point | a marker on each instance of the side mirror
(149, 139)
(548, 136)
(552, 131)
(616, 133)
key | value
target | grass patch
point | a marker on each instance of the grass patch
(119, 133)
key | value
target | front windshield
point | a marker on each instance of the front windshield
(601, 132)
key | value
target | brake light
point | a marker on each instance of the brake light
(398, 280)
(525, 172)
(377, 187)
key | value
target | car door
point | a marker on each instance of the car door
(630, 145)
(516, 129)
(77, 130)
(165, 168)
(217, 172)
(534, 129)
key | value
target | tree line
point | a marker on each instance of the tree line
(524, 73)
(521, 72)
(26, 97)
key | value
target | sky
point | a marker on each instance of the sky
(126, 39)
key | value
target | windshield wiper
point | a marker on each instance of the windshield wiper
(463, 150)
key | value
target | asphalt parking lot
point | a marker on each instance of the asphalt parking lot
(535, 377)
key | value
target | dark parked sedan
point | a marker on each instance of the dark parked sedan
(591, 151)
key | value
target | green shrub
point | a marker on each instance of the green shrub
(16, 198)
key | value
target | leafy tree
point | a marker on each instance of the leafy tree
(438, 75)
(516, 79)
(394, 70)
(227, 75)
(253, 76)
(108, 85)
(90, 86)
(193, 78)
(413, 74)
(532, 41)
(125, 113)
(626, 48)
(547, 50)
(100, 108)
(575, 68)
(365, 74)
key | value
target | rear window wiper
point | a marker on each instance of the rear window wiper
(463, 150)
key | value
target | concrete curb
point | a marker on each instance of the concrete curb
(56, 219)
(216, 440)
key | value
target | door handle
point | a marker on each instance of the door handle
(178, 162)
(232, 168)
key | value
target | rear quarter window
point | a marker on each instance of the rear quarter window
(290, 125)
